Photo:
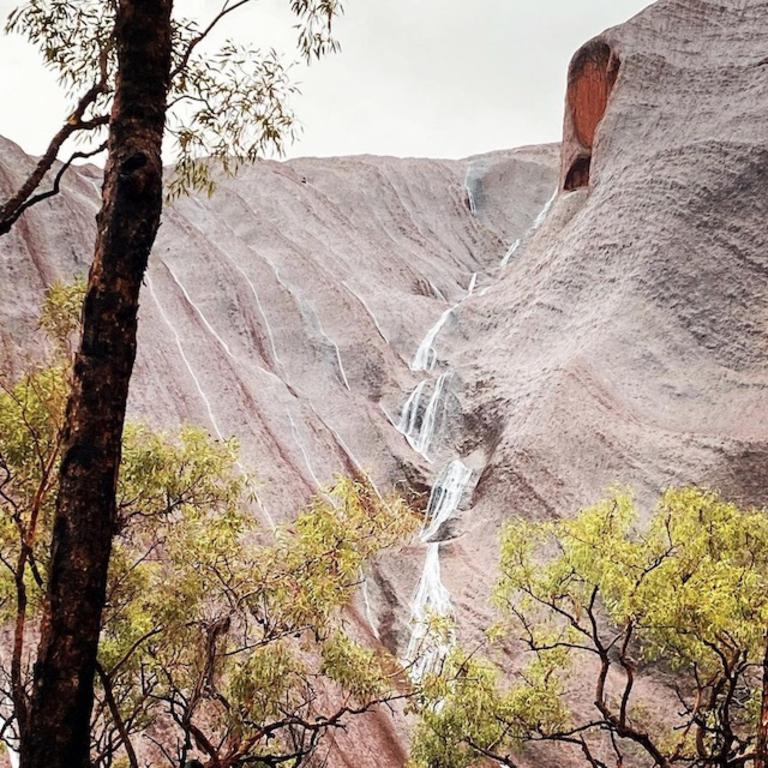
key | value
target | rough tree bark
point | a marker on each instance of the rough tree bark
(57, 729)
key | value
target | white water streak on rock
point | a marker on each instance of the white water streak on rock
(339, 440)
(537, 222)
(198, 311)
(470, 190)
(335, 346)
(426, 355)
(541, 218)
(302, 448)
(425, 358)
(437, 291)
(201, 392)
(410, 415)
(428, 425)
(216, 336)
(426, 648)
(260, 307)
(418, 422)
(296, 292)
(445, 498)
(185, 359)
(511, 251)
(368, 310)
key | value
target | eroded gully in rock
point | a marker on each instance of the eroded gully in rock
(418, 423)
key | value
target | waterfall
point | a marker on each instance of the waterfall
(418, 423)
(537, 222)
(426, 356)
(445, 498)
(431, 640)
(426, 649)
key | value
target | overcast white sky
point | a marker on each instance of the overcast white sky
(439, 78)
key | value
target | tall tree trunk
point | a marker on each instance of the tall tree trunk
(761, 745)
(57, 733)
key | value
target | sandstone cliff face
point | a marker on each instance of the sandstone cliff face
(624, 341)
(629, 337)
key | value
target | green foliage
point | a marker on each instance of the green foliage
(227, 106)
(686, 596)
(466, 712)
(71, 37)
(60, 313)
(212, 634)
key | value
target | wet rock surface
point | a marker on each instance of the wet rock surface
(626, 340)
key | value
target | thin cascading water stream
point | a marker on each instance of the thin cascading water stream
(409, 419)
(531, 231)
(426, 355)
(429, 423)
(198, 385)
(445, 498)
(425, 358)
(419, 423)
(429, 645)
(431, 609)
(472, 186)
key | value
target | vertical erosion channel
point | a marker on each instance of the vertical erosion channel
(431, 611)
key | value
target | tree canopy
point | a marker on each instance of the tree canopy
(217, 644)
(227, 105)
(673, 611)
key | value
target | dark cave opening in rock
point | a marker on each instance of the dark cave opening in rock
(578, 175)
(591, 79)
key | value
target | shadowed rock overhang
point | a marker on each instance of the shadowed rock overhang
(591, 78)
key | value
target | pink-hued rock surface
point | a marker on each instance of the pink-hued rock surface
(625, 341)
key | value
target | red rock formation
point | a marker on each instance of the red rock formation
(591, 78)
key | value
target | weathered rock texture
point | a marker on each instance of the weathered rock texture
(591, 78)
(625, 342)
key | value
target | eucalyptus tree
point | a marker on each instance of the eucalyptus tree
(227, 105)
(217, 644)
(645, 643)
(132, 67)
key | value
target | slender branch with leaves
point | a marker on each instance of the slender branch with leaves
(226, 106)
